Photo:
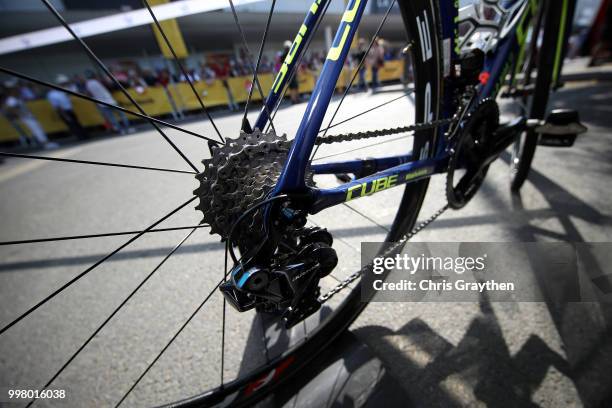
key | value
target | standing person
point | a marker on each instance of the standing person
(78, 84)
(357, 58)
(222, 71)
(26, 93)
(13, 120)
(63, 106)
(149, 77)
(99, 91)
(208, 74)
(294, 85)
(134, 80)
(376, 60)
(15, 110)
(165, 79)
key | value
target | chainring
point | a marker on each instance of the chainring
(238, 176)
(469, 151)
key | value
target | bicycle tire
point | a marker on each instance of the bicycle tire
(554, 18)
(422, 24)
(428, 84)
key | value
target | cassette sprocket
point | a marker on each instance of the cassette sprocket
(239, 175)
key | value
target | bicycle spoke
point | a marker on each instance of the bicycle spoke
(102, 66)
(99, 102)
(123, 303)
(182, 68)
(223, 323)
(250, 56)
(180, 330)
(95, 163)
(261, 49)
(98, 263)
(410, 91)
(189, 319)
(348, 88)
(108, 234)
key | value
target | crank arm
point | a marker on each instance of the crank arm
(504, 137)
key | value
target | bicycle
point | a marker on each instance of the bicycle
(258, 190)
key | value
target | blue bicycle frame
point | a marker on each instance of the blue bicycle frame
(391, 171)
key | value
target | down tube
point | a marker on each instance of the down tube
(292, 177)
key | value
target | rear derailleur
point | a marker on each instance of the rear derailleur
(283, 278)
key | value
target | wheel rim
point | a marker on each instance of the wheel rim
(344, 314)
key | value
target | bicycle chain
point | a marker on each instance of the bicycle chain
(377, 133)
(324, 298)
(349, 137)
(387, 132)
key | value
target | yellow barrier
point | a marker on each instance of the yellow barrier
(306, 81)
(7, 132)
(343, 79)
(87, 112)
(212, 94)
(392, 70)
(239, 87)
(44, 113)
(154, 100)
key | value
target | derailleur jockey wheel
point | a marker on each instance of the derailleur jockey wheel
(470, 152)
(285, 260)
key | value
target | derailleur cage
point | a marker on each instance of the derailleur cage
(288, 284)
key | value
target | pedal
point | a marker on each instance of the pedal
(560, 129)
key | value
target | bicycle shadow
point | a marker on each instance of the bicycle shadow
(585, 328)
(479, 368)
(482, 359)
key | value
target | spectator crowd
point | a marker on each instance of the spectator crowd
(14, 94)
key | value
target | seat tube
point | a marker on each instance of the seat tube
(292, 177)
(306, 31)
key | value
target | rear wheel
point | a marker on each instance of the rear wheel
(426, 92)
(421, 20)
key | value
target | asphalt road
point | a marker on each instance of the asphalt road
(452, 354)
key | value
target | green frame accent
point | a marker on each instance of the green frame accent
(560, 38)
